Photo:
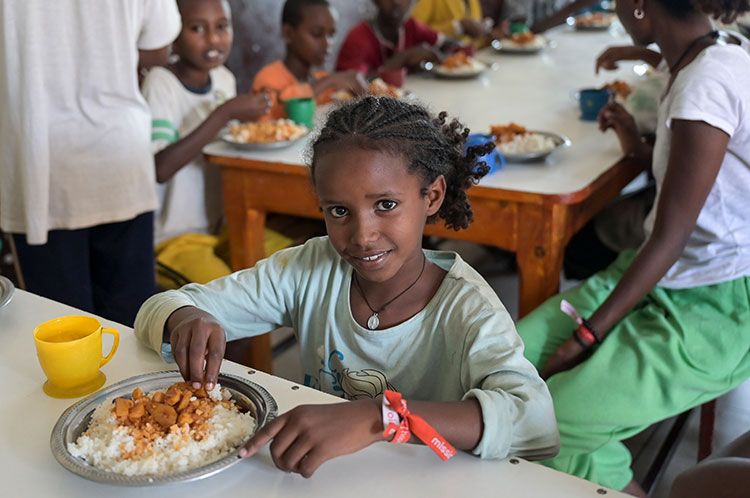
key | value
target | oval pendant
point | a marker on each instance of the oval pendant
(373, 322)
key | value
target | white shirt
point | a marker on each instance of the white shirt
(463, 344)
(715, 89)
(190, 202)
(74, 128)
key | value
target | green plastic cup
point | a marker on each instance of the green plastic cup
(517, 27)
(301, 111)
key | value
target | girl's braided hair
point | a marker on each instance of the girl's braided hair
(431, 146)
(293, 12)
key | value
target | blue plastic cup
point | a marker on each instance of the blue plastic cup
(494, 159)
(591, 101)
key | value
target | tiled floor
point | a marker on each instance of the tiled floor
(733, 410)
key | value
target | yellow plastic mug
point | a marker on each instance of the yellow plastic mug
(70, 352)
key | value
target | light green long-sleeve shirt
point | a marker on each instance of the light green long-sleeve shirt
(463, 344)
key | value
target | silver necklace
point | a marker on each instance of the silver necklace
(374, 321)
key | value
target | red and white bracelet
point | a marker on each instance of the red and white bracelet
(584, 332)
(399, 424)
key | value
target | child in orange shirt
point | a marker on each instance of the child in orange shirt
(307, 27)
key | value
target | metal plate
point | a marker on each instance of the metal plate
(447, 74)
(75, 420)
(6, 291)
(505, 48)
(560, 141)
(262, 145)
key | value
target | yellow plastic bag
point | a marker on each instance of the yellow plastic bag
(195, 257)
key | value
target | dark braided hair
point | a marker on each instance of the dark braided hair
(181, 5)
(725, 10)
(431, 146)
(293, 11)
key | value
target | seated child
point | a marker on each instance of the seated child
(666, 326)
(460, 19)
(372, 310)
(454, 18)
(191, 100)
(307, 27)
(387, 45)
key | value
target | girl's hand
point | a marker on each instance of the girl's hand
(473, 28)
(501, 31)
(247, 107)
(615, 116)
(352, 81)
(612, 55)
(568, 355)
(306, 436)
(419, 53)
(198, 344)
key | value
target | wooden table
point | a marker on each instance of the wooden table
(28, 468)
(530, 209)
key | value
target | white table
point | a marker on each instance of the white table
(537, 91)
(28, 468)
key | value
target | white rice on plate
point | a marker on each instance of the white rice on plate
(105, 442)
(537, 43)
(473, 68)
(528, 143)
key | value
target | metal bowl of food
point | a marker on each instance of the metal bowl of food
(247, 396)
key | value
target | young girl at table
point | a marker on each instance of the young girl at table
(389, 44)
(190, 101)
(308, 27)
(667, 325)
(371, 309)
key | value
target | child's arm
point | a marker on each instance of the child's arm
(196, 319)
(612, 55)
(615, 116)
(507, 408)
(172, 158)
(307, 436)
(696, 154)
(350, 80)
(411, 57)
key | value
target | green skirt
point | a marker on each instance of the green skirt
(677, 349)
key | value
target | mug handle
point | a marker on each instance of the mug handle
(116, 334)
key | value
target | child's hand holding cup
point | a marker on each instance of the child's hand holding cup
(592, 101)
(70, 353)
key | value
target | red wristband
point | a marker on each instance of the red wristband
(584, 333)
(411, 423)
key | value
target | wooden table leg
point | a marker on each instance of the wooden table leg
(541, 244)
(246, 228)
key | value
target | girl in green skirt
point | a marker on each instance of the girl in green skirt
(668, 327)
